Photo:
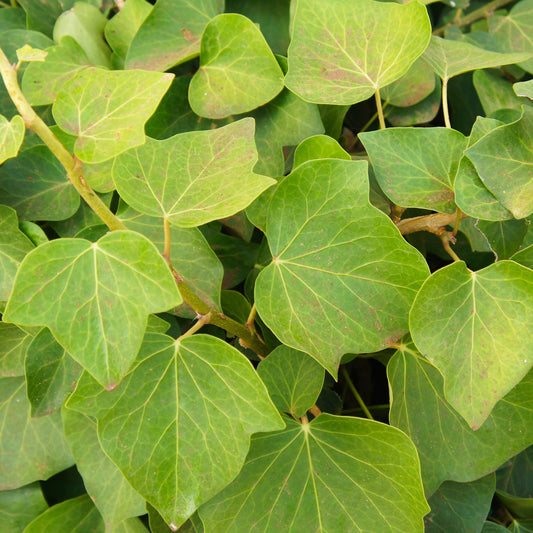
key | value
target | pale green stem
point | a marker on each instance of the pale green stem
(381, 117)
(200, 323)
(166, 249)
(445, 111)
(356, 394)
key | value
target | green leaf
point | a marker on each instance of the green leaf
(19, 507)
(460, 507)
(513, 32)
(342, 52)
(85, 24)
(36, 185)
(30, 448)
(420, 409)
(78, 515)
(185, 403)
(416, 167)
(41, 15)
(11, 136)
(190, 254)
(14, 245)
(508, 151)
(12, 18)
(449, 58)
(171, 33)
(108, 110)
(524, 88)
(113, 496)
(236, 306)
(13, 345)
(30, 54)
(491, 527)
(319, 147)
(525, 256)
(514, 477)
(51, 374)
(293, 379)
(337, 262)
(192, 178)
(95, 298)
(491, 314)
(234, 58)
(122, 28)
(42, 81)
(334, 474)
(504, 237)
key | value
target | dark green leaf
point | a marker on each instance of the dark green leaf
(504, 238)
(19, 507)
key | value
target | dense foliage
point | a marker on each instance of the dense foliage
(243, 289)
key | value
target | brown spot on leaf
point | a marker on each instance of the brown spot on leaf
(188, 35)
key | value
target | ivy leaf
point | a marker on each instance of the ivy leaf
(41, 16)
(189, 401)
(424, 414)
(42, 81)
(234, 57)
(77, 515)
(524, 88)
(13, 345)
(25, 451)
(360, 50)
(36, 185)
(14, 245)
(107, 110)
(300, 476)
(325, 269)
(491, 314)
(109, 490)
(91, 295)
(171, 33)
(19, 507)
(416, 167)
(319, 147)
(11, 136)
(504, 238)
(199, 176)
(51, 374)
(508, 151)
(293, 379)
(449, 58)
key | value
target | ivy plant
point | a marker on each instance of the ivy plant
(266, 266)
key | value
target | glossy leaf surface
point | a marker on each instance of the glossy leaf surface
(90, 294)
(326, 269)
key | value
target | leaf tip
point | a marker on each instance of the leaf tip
(172, 526)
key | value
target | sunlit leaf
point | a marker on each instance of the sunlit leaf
(319, 147)
(234, 56)
(90, 295)
(334, 474)
(359, 50)
(337, 262)
(192, 178)
(19, 507)
(184, 404)
(107, 110)
(11, 136)
(524, 88)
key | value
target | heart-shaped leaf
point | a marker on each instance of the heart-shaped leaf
(186, 412)
(475, 328)
(325, 269)
(334, 474)
(238, 71)
(416, 167)
(504, 161)
(360, 50)
(193, 178)
(421, 411)
(171, 33)
(11, 136)
(91, 294)
(107, 110)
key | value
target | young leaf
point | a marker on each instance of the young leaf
(504, 161)
(19, 507)
(293, 379)
(319, 147)
(342, 52)
(474, 327)
(421, 410)
(95, 298)
(108, 110)
(192, 178)
(171, 33)
(185, 403)
(524, 88)
(416, 167)
(25, 451)
(11, 136)
(334, 474)
(338, 262)
(238, 71)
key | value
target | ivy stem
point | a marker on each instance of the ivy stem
(200, 323)
(359, 409)
(72, 164)
(304, 419)
(483, 12)
(356, 393)
(447, 237)
(315, 410)
(459, 215)
(433, 223)
(166, 249)
(381, 117)
(372, 118)
(445, 110)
